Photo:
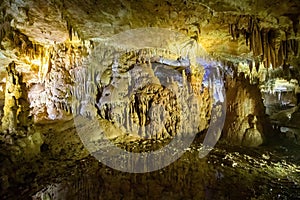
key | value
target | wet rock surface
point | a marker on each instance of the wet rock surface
(64, 171)
(57, 70)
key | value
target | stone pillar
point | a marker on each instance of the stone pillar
(16, 106)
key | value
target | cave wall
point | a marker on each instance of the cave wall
(50, 51)
(69, 86)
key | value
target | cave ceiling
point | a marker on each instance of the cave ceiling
(225, 28)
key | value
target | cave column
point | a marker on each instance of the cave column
(16, 106)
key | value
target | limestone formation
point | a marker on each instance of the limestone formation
(140, 73)
(16, 106)
(246, 122)
(141, 102)
(66, 86)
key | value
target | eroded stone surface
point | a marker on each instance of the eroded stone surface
(246, 122)
(52, 45)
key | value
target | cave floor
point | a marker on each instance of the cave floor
(65, 170)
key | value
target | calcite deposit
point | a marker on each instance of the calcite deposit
(141, 74)
(16, 106)
(245, 125)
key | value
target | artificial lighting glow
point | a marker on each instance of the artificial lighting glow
(282, 85)
(36, 62)
(243, 67)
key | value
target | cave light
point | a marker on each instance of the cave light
(36, 62)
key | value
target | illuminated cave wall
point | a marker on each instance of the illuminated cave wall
(52, 54)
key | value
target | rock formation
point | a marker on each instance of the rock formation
(246, 122)
(151, 106)
(145, 72)
(16, 107)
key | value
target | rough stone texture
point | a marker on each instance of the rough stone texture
(68, 84)
(65, 177)
(16, 105)
(222, 27)
(48, 41)
(51, 43)
(245, 121)
(17, 129)
(152, 105)
(52, 96)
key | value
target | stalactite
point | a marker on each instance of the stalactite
(296, 51)
(258, 38)
(257, 65)
(273, 57)
(285, 47)
(249, 35)
(69, 28)
(250, 66)
(266, 43)
(281, 55)
(294, 45)
(264, 48)
(268, 50)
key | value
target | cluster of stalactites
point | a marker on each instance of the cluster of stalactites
(139, 104)
(34, 53)
(68, 54)
(253, 71)
(17, 39)
(84, 91)
(257, 73)
(273, 47)
(74, 34)
(65, 79)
